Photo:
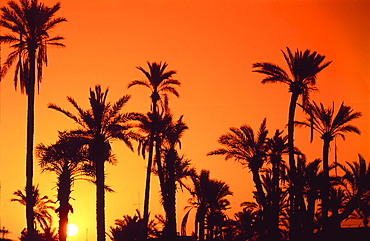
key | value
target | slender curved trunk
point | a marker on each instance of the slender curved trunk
(294, 225)
(30, 134)
(326, 185)
(149, 169)
(260, 193)
(147, 188)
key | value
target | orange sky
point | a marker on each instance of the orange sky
(212, 45)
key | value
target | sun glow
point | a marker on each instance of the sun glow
(72, 229)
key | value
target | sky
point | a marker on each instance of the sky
(212, 46)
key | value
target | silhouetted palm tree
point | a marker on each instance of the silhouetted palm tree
(173, 168)
(41, 206)
(129, 227)
(303, 67)
(98, 126)
(356, 182)
(160, 82)
(30, 23)
(209, 200)
(66, 158)
(277, 147)
(242, 145)
(329, 125)
(310, 180)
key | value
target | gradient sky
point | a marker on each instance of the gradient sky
(212, 45)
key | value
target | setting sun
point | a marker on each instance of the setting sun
(72, 229)
(191, 84)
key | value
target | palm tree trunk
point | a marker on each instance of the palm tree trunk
(63, 221)
(326, 185)
(64, 191)
(171, 215)
(294, 232)
(147, 187)
(100, 201)
(149, 169)
(275, 199)
(30, 134)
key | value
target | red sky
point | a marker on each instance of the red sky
(212, 45)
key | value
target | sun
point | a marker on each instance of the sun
(72, 229)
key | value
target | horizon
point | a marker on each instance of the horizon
(212, 46)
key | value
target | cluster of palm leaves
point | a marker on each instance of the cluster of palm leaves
(297, 200)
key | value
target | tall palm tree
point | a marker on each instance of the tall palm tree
(66, 158)
(303, 68)
(242, 145)
(277, 147)
(329, 125)
(172, 167)
(173, 170)
(98, 126)
(209, 200)
(30, 24)
(41, 204)
(160, 82)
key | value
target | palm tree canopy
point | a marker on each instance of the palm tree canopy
(30, 23)
(303, 67)
(68, 152)
(244, 146)
(41, 205)
(102, 119)
(158, 80)
(327, 123)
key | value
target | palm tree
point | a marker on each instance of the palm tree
(41, 206)
(172, 169)
(277, 147)
(303, 67)
(98, 126)
(66, 158)
(242, 145)
(209, 200)
(30, 23)
(160, 82)
(356, 182)
(329, 125)
(129, 227)
(310, 181)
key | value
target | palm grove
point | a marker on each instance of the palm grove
(295, 199)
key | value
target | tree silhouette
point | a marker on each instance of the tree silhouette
(242, 145)
(66, 158)
(277, 147)
(129, 227)
(303, 67)
(356, 182)
(41, 206)
(98, 126)
(209, 200)
(30, 23)
(328, 125)
(173, 168)
(160, 82)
